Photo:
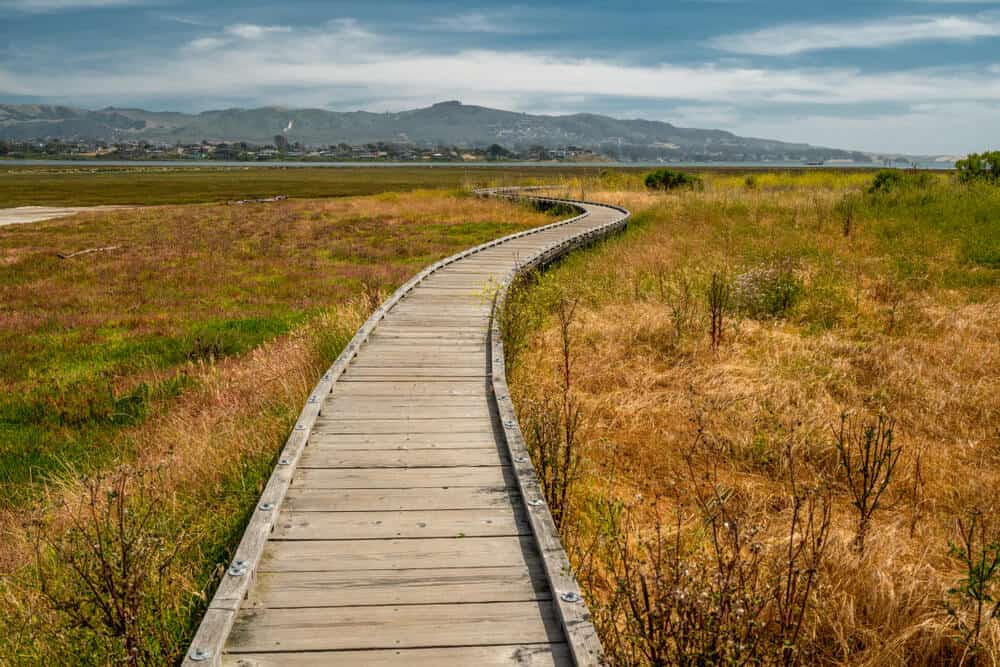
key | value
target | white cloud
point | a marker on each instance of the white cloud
(250, 31)
(474, 22)
(206, 43)
(794, 38)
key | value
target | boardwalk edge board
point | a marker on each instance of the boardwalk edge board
(207, 646)
(584, 644)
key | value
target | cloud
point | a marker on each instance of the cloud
(250, 31)
(475, 22)
(795, 38)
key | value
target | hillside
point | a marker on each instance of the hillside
(448, 123)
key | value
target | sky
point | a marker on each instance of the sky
(907, 76)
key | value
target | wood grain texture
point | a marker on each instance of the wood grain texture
(393, 627)
(394, 587)
(525, 655)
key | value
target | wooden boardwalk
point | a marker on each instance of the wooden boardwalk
(403, 524)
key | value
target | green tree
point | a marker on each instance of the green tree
(665, 179)
(980, 167)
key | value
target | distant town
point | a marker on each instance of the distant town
(282, 149)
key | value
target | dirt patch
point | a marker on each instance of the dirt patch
(25, 214)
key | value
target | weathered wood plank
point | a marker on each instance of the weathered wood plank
(347, 555)
(404, 442)
(403, 626)
(399, 388)
(494, 522)
(318, 456)
(525, 655)
(406, 426)
(391, 587)
(398, 478)
(384, 500)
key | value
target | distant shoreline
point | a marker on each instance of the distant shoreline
(26, 162)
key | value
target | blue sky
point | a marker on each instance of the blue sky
(916, 76)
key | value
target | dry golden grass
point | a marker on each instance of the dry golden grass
(864, 336)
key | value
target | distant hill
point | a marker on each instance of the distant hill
(446, 123)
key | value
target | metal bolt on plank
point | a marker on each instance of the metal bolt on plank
(200, 654)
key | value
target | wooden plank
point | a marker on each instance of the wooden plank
(391, 587)
(421, 407)
(320, 456)
(395, 627)
(404, 442)
(383, 500)
(398, 478)
(349, 555)
(492, 522)
(406, 426)
(524, 655)
(377, 412)
(474, 364)
(397, 388)
(340, 402)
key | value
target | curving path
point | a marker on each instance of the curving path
(403, 523)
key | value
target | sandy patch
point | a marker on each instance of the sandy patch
(25, 214)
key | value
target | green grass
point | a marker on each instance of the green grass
(91, 346)
(96, 185)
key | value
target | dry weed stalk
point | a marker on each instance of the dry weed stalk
(114, 571)
(977, 592)
(868, 460)
(718, 305)
(553, 425)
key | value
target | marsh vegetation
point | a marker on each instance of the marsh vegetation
(785, 435)
(145, 392)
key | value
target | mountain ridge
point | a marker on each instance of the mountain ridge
(444, 123)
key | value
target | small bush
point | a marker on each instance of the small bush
(975, 594)
(894, 180)
(868, 458)
(767, 291)
(665, 179)
(979, 167)
(113, 576)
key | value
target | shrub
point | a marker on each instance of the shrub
(979, 167)
(893, 180)
(719, 298)
(767, 291)
(710, 592)
(978, 550)
(553, 424)
(665, 179)
(112, 575)
(868, 458)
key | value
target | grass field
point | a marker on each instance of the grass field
(718, 512)
(163, 374)
(95, 184)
